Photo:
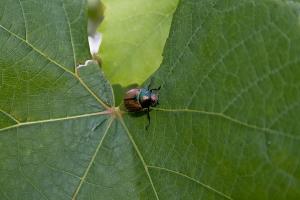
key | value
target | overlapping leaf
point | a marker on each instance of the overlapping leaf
(134, 35)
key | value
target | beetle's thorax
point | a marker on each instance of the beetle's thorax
(144, 98)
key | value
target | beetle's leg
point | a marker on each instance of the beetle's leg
(148, 117)
(155, 89)
(151, 81)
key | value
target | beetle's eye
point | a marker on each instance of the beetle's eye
(154, 99)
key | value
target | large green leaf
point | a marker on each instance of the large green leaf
(226, 127)
(134, 34)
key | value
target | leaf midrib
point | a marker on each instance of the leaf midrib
(82, 179)
(234, 120)
(140, 156)
(54, 120)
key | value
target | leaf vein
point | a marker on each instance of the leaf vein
(222, 115)
(140, 156)
(37, 50)
(25, 24)
(71, 36)
(22, 172)
(255, 83)
(10, 116)
(221, 59)
(4, 194)
(191, 179)
(82, 179)
(57, 64)
(54, 120)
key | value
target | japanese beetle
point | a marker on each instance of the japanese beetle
(141, 99)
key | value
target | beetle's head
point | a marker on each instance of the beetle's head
(154, 99)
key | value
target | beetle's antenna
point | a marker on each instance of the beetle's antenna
(154, 89)
(148, 117)
(151, 81)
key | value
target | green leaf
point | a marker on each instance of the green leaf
(226, 126)
(228, 122)
(134, 34)
(52, 114)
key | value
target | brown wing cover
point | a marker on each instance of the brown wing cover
(130, 101)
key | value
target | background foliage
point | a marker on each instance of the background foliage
(134, 35)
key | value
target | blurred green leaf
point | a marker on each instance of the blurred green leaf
(95, 16)
(134, 34)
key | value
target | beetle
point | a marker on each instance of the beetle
(141, 99)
